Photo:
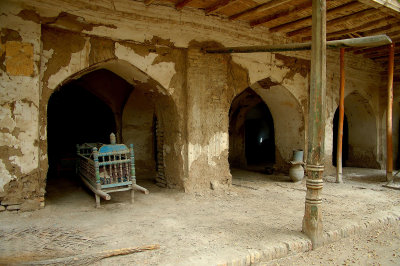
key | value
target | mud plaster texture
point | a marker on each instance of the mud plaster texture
(158, 52)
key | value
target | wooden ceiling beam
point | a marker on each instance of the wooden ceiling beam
(218, 6)
(376, 49)
(358, 15)
(148, 2)
(260, 8)
(300, 23)
(339, 33)
(300, 8)
(385, 58)
(381, 29)
(181, 4)
(380, 53)
(388, 7)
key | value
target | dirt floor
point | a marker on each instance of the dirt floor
(375, 247)
(257, 212)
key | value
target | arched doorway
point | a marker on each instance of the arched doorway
(84, 110)
(362, 129)
(251, 133)
(345, 141)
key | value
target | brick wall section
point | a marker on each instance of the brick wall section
(208, 123)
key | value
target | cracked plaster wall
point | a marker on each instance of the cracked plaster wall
(201, 86)
(19, 108)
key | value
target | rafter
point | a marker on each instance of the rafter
(300, 8)
(364, 26)
(381, 29)
(148, 2)
(379, 54)
(260, 8)
(359, 15)
(307, 20)
(218, 6)
(376, 49)
(182, 4)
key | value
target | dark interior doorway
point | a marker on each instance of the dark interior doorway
(345, 145)
(74, 116)
(259, 136)
(251, 133)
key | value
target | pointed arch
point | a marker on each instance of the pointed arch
(288, 119)
(363, 132)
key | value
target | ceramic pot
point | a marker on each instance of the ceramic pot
(296, 173)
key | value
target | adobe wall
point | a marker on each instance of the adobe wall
(157, 50)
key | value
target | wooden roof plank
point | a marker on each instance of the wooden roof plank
(260, 8)
(219, 5)
(381, 29)
(307, 20)
(181, 4)
(300, 8)
(339, 33)
(148, 2)
(358, 15)
(388, 7)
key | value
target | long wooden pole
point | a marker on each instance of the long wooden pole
(389, 143)
(339, 154)
(370, 41)
(312, 221)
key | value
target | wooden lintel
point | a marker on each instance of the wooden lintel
(182, 4)
(300, 8)
(260, 8)
(148, 2)
(218, 6)
(300, 23)
(358, 15)
(370, 41)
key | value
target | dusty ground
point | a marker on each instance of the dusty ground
(375, 247)
(204, 229)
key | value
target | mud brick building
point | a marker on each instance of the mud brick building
(75, 71)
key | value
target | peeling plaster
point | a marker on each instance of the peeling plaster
(6, 177)
(217, 144)
(162, 72)
(79, 61)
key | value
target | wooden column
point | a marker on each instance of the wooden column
(339, 155)
(312, 221)
(389, 143)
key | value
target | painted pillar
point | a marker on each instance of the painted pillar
(312, 221)
(389, 147)
(339, 154)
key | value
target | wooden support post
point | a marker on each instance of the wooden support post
(312, 221)
(339, 156)
(389, 144)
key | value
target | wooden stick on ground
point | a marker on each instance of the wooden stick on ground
(84, 259)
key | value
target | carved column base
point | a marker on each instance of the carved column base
(312, 221)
